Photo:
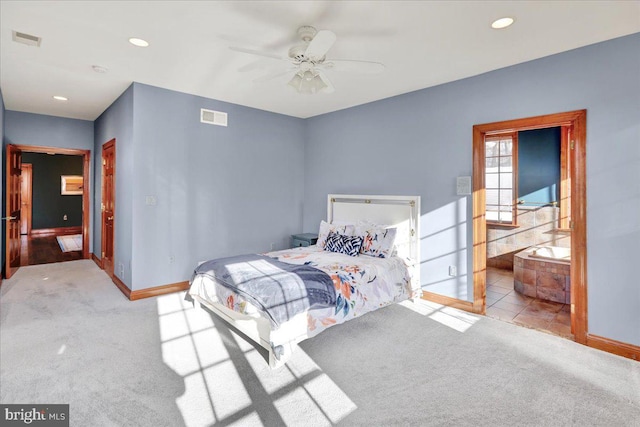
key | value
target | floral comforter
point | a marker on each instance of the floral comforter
(362, 284)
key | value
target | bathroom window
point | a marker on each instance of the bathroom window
(501, 157)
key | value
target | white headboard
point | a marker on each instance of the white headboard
(402, 212)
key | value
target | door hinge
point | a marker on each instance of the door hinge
(102, 254)
(104, 161)
(102, 207)
(572, 144)
(571, 225)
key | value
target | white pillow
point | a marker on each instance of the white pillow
(377, 240)
(326, 228)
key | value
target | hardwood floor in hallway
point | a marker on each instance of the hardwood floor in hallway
(44, 250)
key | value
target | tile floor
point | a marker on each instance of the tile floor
(504, 303)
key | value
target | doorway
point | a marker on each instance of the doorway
(17, 246)
(573, 125)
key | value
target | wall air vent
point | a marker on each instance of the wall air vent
(213, 117)
(25, 38)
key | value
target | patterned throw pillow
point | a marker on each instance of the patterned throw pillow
(348, 245)
(326, 228)
(377, 241)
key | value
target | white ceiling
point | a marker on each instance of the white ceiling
(422, 44)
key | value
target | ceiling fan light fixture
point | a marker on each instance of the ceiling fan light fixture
(307, 82)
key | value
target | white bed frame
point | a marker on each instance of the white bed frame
(402, 212)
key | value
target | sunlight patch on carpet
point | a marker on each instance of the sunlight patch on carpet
(70, 243)
(448, 316)
(216, 392)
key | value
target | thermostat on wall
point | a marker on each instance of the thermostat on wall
(463, 185)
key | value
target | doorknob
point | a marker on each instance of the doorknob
(110, 218)
(10, 218)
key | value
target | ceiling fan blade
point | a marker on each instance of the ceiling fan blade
(325, 80)
(274, 75)
(354, 66)
(258, 64)
(258, 53)
(320, 44)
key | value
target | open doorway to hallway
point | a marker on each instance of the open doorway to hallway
(47, 205)
(51, 208)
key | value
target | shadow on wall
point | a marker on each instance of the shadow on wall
(443, 245)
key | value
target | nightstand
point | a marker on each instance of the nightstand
(304, 239)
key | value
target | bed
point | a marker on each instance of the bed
(311, 289)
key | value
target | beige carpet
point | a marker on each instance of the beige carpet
(67, 335)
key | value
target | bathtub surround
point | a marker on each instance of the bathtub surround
(542, 278)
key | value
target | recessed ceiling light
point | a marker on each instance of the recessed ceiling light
(99, 69)
(138, 42)
(502, 23)
(60, 98)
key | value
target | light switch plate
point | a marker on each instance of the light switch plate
(463, 185)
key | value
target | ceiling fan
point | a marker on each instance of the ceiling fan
(308, 60)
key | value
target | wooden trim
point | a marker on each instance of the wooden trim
(159, 290)
(529, 123)
(56, 231)
(26, 198)
(109, 266)
(10, 151)
(565, 178)
(479, 224)
(448, 301)
(97, 260)
(578, 163)
(497, 226)
(514, 179)
(577, 160)
(623, 349)
(123, 288)
(86, 206)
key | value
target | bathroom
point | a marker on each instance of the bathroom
(528, 229)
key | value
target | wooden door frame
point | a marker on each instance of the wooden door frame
(86, 155)
(10, 189)
(106, 145)
(577, 157)
(27, 217)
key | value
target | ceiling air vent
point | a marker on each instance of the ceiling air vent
(25, 38)
(213, 117)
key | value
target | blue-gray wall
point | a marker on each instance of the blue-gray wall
(48, 131)
(420, 142)
(219, 191)
(117, 122)
(222, 191)
(539, 166)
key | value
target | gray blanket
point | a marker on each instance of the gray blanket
(279, 289)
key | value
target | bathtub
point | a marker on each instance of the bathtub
(553, 253)
(543, 272)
